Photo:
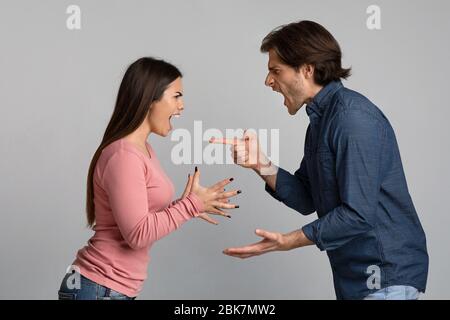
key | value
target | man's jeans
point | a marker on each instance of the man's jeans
(395, 293)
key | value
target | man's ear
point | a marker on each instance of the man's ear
(308, 71)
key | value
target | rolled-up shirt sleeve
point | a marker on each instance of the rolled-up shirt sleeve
(293, 190)
(357, 140)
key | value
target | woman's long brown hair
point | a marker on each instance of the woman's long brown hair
(144, 82)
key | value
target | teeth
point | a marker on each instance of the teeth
(176, 115)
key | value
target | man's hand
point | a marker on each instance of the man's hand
(247, 153)
(273, 241)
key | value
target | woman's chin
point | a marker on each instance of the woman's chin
(163, 132)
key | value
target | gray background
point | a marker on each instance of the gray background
(58, 88)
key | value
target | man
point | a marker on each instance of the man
(351, 174)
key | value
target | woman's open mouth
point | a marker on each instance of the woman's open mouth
(175, 115)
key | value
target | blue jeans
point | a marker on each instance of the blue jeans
(395, 293)
(87, 289)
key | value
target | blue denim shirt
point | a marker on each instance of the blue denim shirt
(352, 176)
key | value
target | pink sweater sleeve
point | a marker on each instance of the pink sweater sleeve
(124, 182)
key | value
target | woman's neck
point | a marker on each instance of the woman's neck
(139, 136)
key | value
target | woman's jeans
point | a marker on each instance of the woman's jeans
(86, 289)
(395, 293)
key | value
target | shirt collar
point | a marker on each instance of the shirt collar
(322, 98)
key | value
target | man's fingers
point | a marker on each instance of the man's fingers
(224, 141)
(255, 248)
(241, 256)
(239, 148)
(249, 135)
(230, 141)
(242, 250)
(266, 234)
(243, 159)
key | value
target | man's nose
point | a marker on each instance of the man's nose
(269, 81)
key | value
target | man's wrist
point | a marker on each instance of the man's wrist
(265, 167)
(297, 239)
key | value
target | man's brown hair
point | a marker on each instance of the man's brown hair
(307, 42)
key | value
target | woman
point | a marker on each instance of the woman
(128, 194)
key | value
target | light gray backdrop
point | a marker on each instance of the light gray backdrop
(58, 88)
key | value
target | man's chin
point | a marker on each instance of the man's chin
(293, 111)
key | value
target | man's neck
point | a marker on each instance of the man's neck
(315, 89)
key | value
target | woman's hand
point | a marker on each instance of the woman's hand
(214, 198)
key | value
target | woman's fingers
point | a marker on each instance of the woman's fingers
(188, 186)
(229, 194)
(223, 205)
(221, 184)
(219, 212)
(208, 219)
(196, 179)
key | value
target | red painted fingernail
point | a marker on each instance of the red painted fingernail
(196, 169)
(231, 179)
(239, 191)
(236, 206)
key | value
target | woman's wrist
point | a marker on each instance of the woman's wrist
(197, 202)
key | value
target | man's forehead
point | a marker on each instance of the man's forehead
(274, 60)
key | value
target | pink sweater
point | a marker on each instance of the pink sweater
(133, 209)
